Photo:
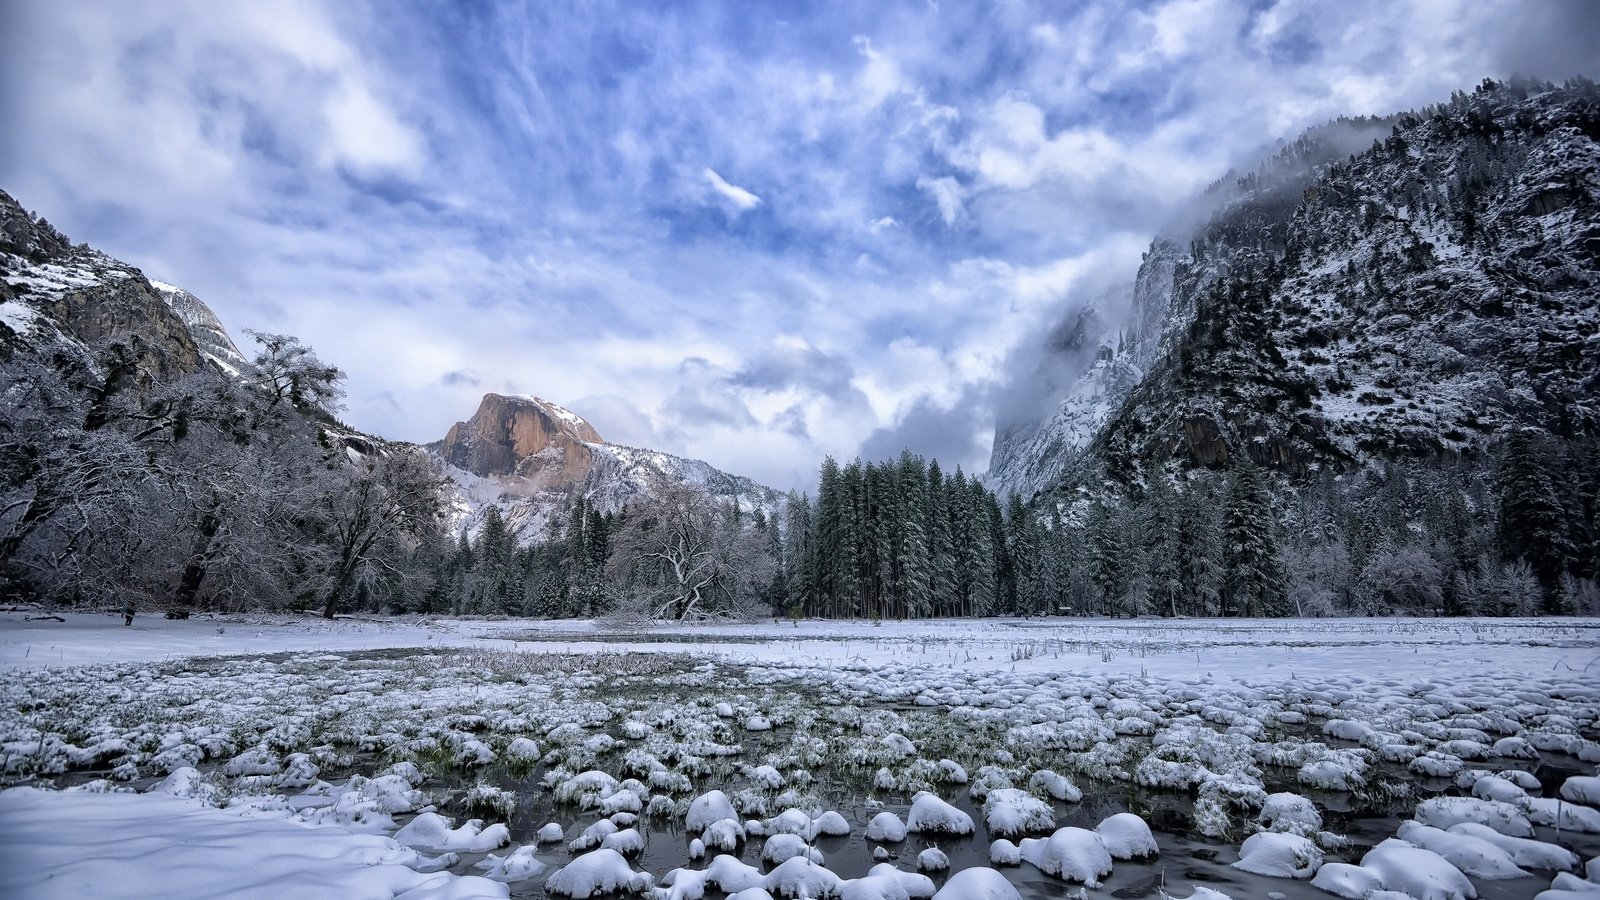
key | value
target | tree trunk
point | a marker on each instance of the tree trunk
(195, 571)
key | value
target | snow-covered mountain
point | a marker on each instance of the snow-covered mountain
(60, 296)
(534, 460)
(1332, 308)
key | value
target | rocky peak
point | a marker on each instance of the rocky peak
(521, 436)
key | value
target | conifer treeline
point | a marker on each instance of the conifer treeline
(903, 539)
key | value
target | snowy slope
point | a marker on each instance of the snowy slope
(1332, 309)
(534, 460)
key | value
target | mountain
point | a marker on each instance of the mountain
(534, 460)
(1334, 309)
(57, 296)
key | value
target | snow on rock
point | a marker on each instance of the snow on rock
(1057, 786)
(1290, 813)
(977, 884)
(781, 847)
(596, 873)
(886, 826)
(951, 772)
(800, 877)
(1011, 811)
(1525, 852)
(551, 833)
(431, 831)
(586, 789)
(830, 824)
(1443, 812)
(1560, 814)
(518, 865)
(1279, 855)
(627, 842)
(934, 816)
(1473, 855)
(593, 836)
(1421, 874)
(885, 882)
(1493, 787)
(724, 834)
(1348, 881)
(1004, 853)
(1126, 836)
(1073, 854)
(1583, 789)
(933, 860)
(709, 807)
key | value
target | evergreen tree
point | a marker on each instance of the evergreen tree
(1106, 555)
(1533, 523)
(1252, 583)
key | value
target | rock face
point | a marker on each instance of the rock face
(522, 437)
(1336, 308)
(55, 292)
(534, 460)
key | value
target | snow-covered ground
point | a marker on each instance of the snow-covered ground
(1268, 736)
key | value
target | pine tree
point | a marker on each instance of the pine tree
(912, 562)
(941, 548)
(1533, 526)
(1252, 584)
(800, 562)
(1106, 555)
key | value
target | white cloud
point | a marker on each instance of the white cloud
(948, 194)
(738, 196)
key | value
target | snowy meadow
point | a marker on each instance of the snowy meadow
(990, 758)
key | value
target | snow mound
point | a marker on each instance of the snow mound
(1473, 855)
(518, 865)
(599, 872)
(1073, 854)
(933, 860)
(431, 831)
(1004, 853)
(1290, 813)
(977, 884)
(1443, 812)
(1126, 836)
(1057, 786)
(712, 806)
(1525, 852)
(932, 815)
(1011, 811)
(886, 826)
(1279, 855)
(1583, 789)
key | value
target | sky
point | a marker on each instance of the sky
(751, 233)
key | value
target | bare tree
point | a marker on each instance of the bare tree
(680, 555)
(376, 509)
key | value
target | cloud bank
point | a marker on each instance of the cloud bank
(749, 234)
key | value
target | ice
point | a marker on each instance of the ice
(1010, 811)
(935, 816)
(431, 831)
(977, 884)
(1279, 855)
(1126, 836)
(1073, 854)
(598, 872)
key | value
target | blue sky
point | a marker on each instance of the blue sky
(752, 233)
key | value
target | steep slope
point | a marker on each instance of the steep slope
(534, 460)
(1412, 299)
(60, 297)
